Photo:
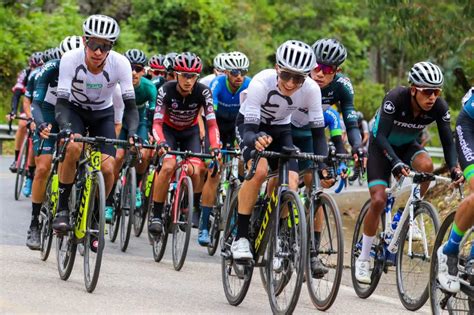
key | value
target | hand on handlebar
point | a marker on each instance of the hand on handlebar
(163, 148)
(262, 141)
(10, 116)
(400, 169)
(327, 180)
(44, 129)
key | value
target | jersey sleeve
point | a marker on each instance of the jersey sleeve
(125, 79)
(119, 106)
(30, 86)
(443, 120)
(42, 81)
(315, 109)
(159, 117)
(254, 98)
(211, 122)
(66, 74)
(215, 89)
(383, 126)
(346, 104)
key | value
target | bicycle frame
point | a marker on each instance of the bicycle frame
(181, 168)
(93, 166)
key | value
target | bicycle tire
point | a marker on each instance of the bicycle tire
(65, 244)
(297, 230)
(409, 301)
(378, 263)
(330, 213)
(160, 241)
(127, 199)
(96, 223)
(214, 232)
(185, 191)
(114, 225)
(46, 217)
(22, 160)
(229, 269)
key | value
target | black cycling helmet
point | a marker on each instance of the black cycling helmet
(329, 52)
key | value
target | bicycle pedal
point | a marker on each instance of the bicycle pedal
(244, 262)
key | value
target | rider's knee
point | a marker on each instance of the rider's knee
(378, 201)
(42, 170)
(73, 151)
(168, 167)
(293, 180)
(260, 173)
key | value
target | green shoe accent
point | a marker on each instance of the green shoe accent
(109, 214)
(138, 202)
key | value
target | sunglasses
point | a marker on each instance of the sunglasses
(429, 91)
(236, 72)
(94, 45)
(325, 69)
(137, 68)
(188, 75)
(159, 72)
(298, 79)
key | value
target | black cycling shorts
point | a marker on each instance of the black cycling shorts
(226, 134)
(281, 135)
(379, 167)
(99, 123)
(465, 143)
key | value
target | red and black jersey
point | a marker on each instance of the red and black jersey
(180, 112)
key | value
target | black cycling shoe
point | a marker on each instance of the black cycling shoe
(318, 270)
(61, 222)
(13, 168)
(33, 238)
(156, 226)
(196, 217)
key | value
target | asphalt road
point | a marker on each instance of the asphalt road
(133, 282)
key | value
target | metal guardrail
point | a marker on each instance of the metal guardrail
(5, 136)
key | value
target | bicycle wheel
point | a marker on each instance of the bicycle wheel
(413, 269)
(45, 220)
(21, 163)
(94, 238)
(139, 217)
(236, 278)
(214, 231)
(128, 203)
(289, 248)
(376, 254)
(182, 228)
(65, 253)
(160, 241)
(323, 291)
(114, 225)
(444, 302)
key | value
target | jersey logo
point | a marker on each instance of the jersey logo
(388, 107)
(447, 116)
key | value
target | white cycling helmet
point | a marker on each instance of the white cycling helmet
(70, 43)
(101, 26)
(426, 74)
(296, 56)
(136, 56)
(218, 61)
(236, 61)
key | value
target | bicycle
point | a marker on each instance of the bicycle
(177, 211)
(23, 160)
(88, 214)
(228, 182)
(124, 199)
(270, 240)
(442, 301)
(394, 244)
(323, 289)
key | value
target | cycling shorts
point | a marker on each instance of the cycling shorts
(281, 135)
(142, 132)
(182, 140)
(465, 143)
(379, 167)
(99, 123)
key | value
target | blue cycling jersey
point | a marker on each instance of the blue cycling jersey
(226, 104)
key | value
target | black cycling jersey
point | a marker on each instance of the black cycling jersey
(395, 125)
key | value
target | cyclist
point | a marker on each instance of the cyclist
(176, 121)
(464, 218)
(145, 98)
(35, 60)
(363, 129)
(264, 122)
(87, 79)
(226, 91)
(218, 70)
(405, 111)
(42, 109)
(169, 65)
(158, 70)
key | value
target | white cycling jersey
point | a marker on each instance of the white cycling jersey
(208, 79)
(93, 91)
(119, 105)
(263, 102)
